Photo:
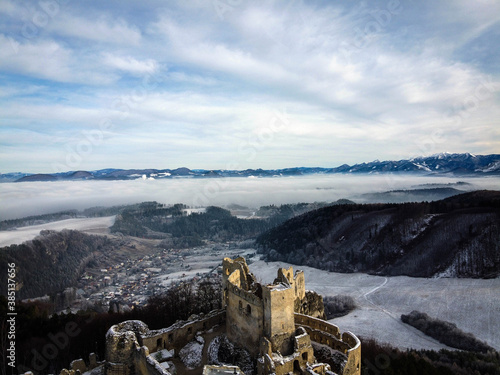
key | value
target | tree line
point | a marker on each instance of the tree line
(460, 235)
(445, 332)
(151, 219)
(43, 346)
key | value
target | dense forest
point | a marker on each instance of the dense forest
(457, 237)
(51, 262)
(154, 220)
(54, 260)
(382, 359)
(36, 329)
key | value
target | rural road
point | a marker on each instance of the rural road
(395, 318)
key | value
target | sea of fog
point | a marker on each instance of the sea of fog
(33, 198)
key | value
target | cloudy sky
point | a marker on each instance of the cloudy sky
(235, 84)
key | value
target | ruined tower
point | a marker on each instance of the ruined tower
(276, 323)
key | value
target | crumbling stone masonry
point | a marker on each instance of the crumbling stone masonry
(266, 320)
(276, 323)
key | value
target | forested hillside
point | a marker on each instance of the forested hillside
(154, 220)
(55, 260)
(458, 237)
(51, 262)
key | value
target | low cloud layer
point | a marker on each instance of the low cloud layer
(32, 198)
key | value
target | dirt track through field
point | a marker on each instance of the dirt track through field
(469, 303)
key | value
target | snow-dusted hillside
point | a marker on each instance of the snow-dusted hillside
(89, 225)
(459, 235)
(471, 304)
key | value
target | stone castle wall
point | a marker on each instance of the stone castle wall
(129, 343)
(147, 365)
(278, 364)
(132, 356)
(178, 335)
(244, 318)
(142, 364)
(239, 264)
(296, 281)
(264, 319)
(279, 325)
(255, 311)
(328, 334)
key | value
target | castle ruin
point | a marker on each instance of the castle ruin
(268, 320)
(278, 324)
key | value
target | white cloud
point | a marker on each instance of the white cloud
(130, 64)
(364, 96)
(56, 114)
(102, 29)
(50, 60)
(13, 91)
(46, 59)
(191, 78)
(314, 68)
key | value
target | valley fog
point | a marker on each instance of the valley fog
(33, 198)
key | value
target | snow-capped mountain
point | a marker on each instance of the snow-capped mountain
(438, 164)
(459, 164)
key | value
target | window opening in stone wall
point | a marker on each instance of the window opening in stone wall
(296, 366)
(249, 310)
(304, 356)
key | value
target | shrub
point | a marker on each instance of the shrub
(445, 332)
(338, 306)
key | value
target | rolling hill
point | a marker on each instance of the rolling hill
(456, 237)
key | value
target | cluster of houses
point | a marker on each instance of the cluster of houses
(128, 284)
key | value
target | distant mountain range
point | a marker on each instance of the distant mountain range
(439, 164)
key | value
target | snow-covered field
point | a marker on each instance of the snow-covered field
(90, 225)
(201, 261)
(473, 305)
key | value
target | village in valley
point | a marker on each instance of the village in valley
(128, 284)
